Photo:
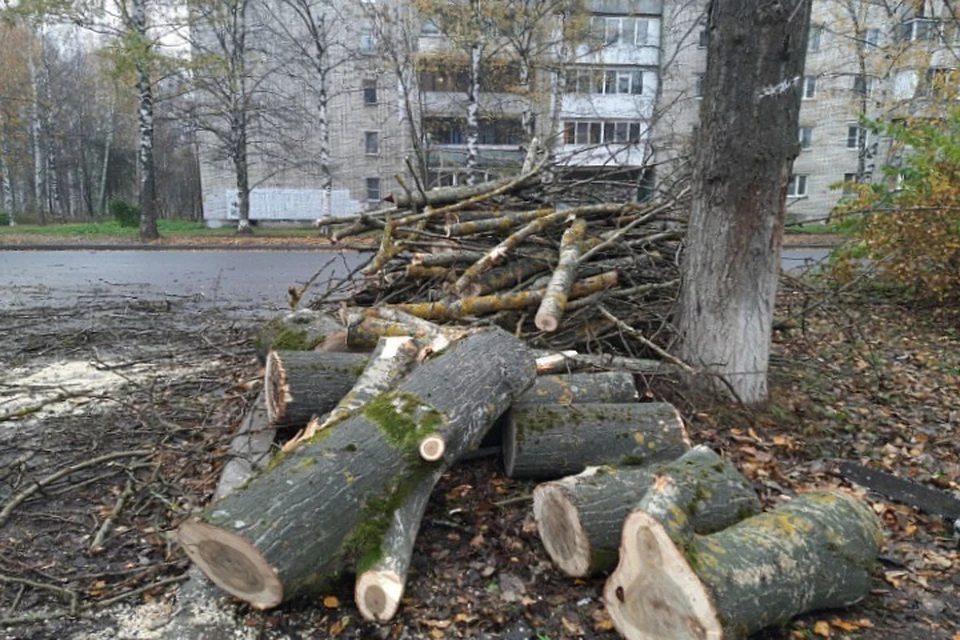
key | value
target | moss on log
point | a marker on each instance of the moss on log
(303, 330)
(328, 502)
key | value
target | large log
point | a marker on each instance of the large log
(303, 330)
(327, 502)
(545, 442)
(302, 384)
(580, 518)
(814, 552)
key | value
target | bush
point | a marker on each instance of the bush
(4, 219)
(126, 214)
(911, 222)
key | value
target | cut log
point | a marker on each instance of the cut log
(815, 552)
(380, 585)
(581, 388)
(567, 390)
(391, 360)
(302, 384)
(328, 502)
(551, 441)
(580, 518)
(303, 330)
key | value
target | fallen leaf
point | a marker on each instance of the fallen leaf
(822, 628)
(331, 602)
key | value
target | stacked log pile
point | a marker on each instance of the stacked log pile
(474, 311)
(555, 271)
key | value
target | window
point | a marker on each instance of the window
(797, 187)
(940, 82)
(855, 136)
(582, 132)
(849, 180)
(368, 41)
(920, 30)
(816, 34)
(642, 37)
(610, 82)
(698, 85)
(369, 92)
(373, 189)
(491, 131)
(862, 85)
(809, 87)
(806, 137)
(704, 39)
(612, 30)
(371, 143)
(429, 28)
(872, 38)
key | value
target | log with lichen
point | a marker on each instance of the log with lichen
(299, 385)
(326, 504)
(814, 552)
(555, 299)
(580, 518)
(551, 441)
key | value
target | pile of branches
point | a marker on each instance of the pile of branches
(595, 278)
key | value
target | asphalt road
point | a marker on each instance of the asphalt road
(254, 281)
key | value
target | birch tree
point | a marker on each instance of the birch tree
(745, 150)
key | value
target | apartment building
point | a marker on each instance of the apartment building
(624, 100)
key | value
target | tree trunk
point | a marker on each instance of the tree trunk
(330, 500)
(6, 186)
(815, 552)
(581, 388)
(580, 518)
(146, 164)
(553, 441)
(302, 384)
(473, 109)
(555, 299)
(101, 204)
(243, 179)
(36, 139)
(746, 145)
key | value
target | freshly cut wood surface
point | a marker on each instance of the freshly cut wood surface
(815, 552)
(326, 503)
(580, 518)
(302, 384)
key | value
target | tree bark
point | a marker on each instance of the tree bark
(581, 388)
(330, 500)
(814, 552)
(746, 145)
(303, 330)
(302, 384)
(146, 164)
(580, 518)
(555, 299)
(553, 441)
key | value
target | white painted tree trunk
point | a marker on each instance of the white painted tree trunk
(745, 150)
(473, 115)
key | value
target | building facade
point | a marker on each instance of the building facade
(619, 96)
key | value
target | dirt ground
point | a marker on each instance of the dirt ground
(115, 414)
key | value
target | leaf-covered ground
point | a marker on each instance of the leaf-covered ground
(855, 377)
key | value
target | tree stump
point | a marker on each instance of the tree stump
(302, 384)
(580, 518)
(551, 441)
(328, 501)
(814, 552)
